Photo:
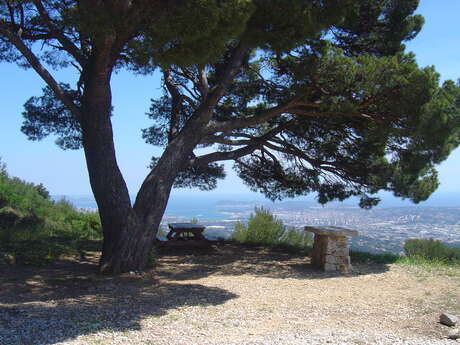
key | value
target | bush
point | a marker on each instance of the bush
(295, 240)
(263, 228)
(9, 217)
(366, 257)
(431, 249)
(36, 230)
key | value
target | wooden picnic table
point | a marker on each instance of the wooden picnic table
(185, 231)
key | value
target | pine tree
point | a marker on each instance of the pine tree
(304, 95)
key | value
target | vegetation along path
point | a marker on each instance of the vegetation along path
(226, 295)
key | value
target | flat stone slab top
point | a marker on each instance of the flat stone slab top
(334, 231)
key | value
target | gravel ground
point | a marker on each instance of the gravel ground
(227, 295)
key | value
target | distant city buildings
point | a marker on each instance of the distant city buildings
(380, 229)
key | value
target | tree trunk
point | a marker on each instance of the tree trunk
(129, 251)
(123, 242)
(119, 222)
(129, 232)
(127, 245)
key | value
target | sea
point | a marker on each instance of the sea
(217, 206)
(383, 229)
(202, 206)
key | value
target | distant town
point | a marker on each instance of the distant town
(380, 229)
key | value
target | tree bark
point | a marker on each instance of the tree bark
(121, 227)
(129, 233)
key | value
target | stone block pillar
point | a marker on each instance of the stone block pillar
(330, 249)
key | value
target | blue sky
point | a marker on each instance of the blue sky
(64, 172)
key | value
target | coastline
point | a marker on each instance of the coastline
(381, 229)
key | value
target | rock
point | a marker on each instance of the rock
(330, 259)
(448, 319)
(342, 252)
(330, 267)
(331, 245)
(454, 334)
(343, 268)
(342, 243)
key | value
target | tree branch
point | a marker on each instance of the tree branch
(225, 156)
(251, 145)
(176, 105)
(203, 81)
(224, 141)
(233, 66)
(66, 43)
(41, 70)
(334, 168)
(264, 116)
(200, 119)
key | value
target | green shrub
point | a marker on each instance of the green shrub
(431, 249)
(427, 263)
(9, 217)
(36, 230)
(366, 257)
(43, 191)
(295, 240)
(263, 228)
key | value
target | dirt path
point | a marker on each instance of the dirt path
(230, 295)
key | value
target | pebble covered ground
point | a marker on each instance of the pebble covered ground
(226, 295)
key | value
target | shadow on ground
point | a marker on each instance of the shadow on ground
(59, 303)
(62, 301)
(230, 259)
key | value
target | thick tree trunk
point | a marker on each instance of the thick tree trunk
(127, 244)
(109, 188)
(123, 239)
(129, 232)
(157, 185)
(129, 251)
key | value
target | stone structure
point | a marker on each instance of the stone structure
(330, 249)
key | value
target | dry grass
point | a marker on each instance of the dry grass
(226, 295)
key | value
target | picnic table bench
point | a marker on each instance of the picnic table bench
(330, 248)
(185, 231)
